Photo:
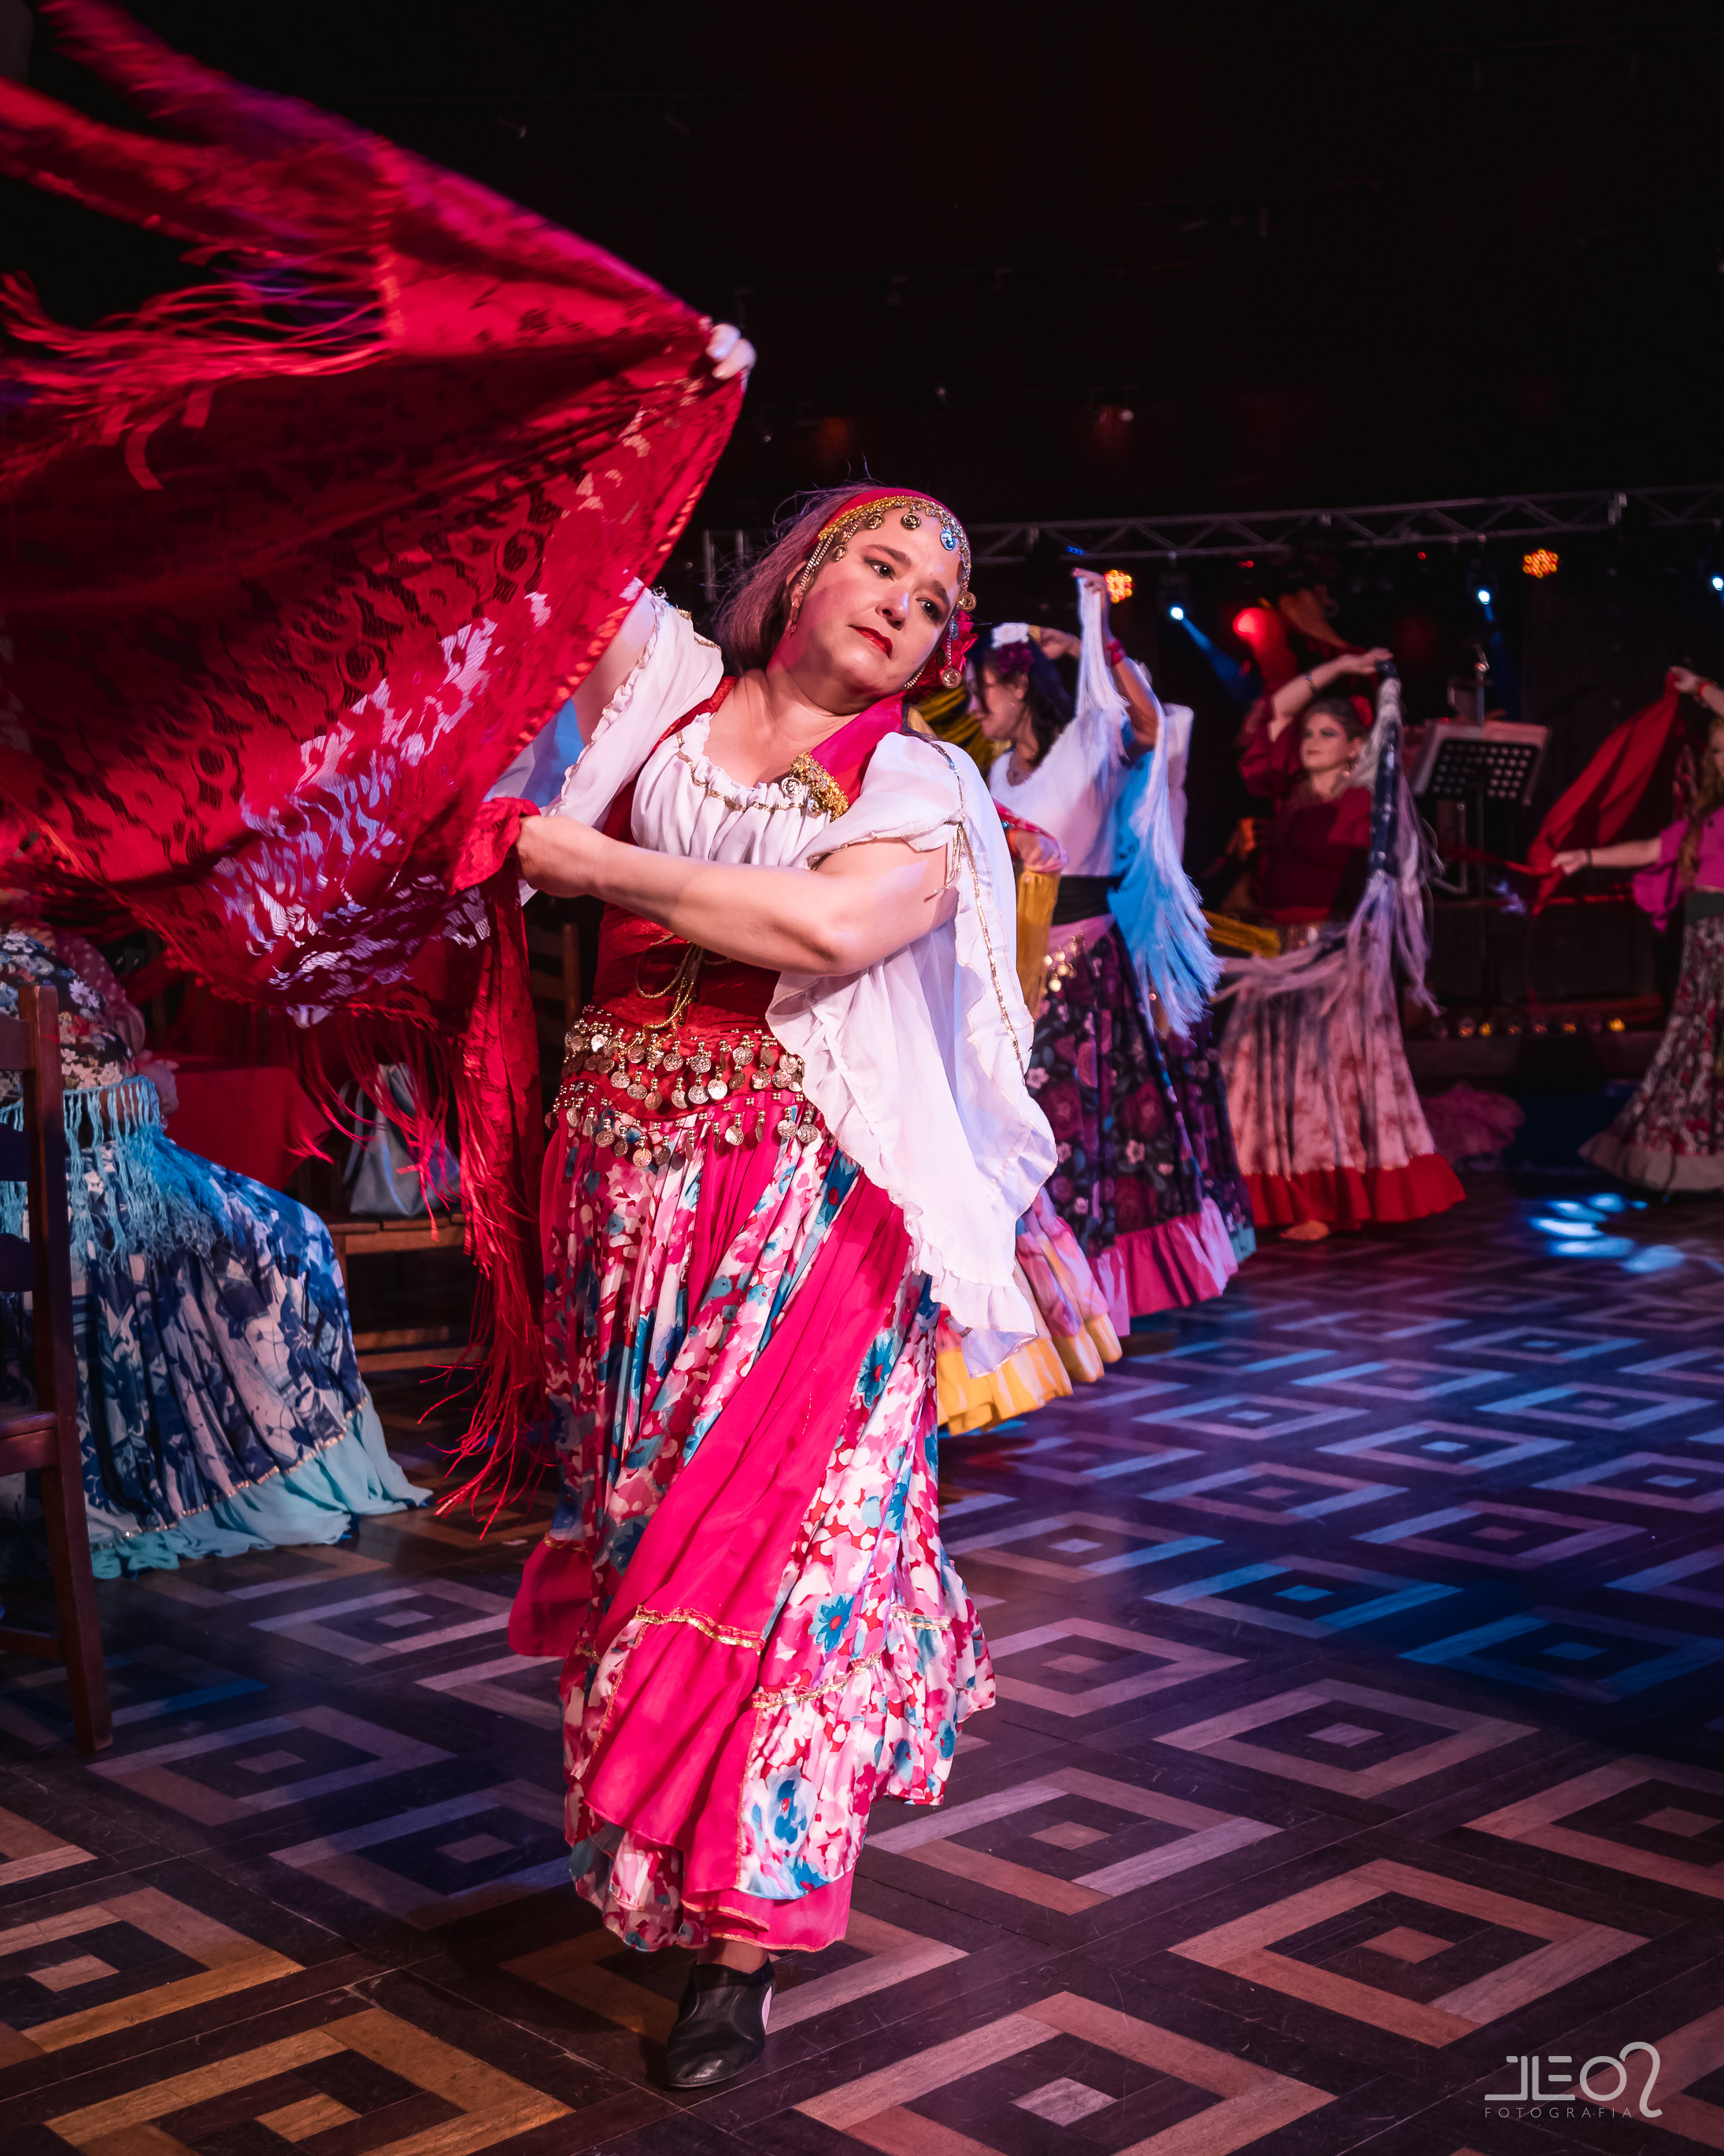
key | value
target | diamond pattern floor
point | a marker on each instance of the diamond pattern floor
(1358, 1764)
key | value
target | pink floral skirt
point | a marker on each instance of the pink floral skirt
(762, 1632)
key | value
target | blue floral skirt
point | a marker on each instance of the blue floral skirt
(219, 1398)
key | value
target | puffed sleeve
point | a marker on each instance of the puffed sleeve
(678, 669)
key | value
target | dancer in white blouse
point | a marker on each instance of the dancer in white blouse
(1147, 1179)
(793, 1126)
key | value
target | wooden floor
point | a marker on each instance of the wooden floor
(1358, 1763)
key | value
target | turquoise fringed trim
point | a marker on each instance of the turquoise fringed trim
(128, 1187)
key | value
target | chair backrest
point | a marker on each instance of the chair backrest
(36, 1157)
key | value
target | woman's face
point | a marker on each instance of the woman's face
(997, 702)
(871, 619)
(1326, 746)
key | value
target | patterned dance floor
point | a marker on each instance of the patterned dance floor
(1356, 1780)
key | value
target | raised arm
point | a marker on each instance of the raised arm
(1142, 706)
(1687, 683)
(859, 906)
(1291, 699)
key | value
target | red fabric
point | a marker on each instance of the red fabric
(258, 1119)
(296, 561)
(1347, 1198)
(1635, 758)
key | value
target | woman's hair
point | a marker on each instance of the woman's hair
(1708, 795)
(1049, 700)
(755, 612)
(1343, 709)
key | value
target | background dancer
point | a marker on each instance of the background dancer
(1671, 1135)
(1147, 1180)
(792, 1124)
(1329, 1127)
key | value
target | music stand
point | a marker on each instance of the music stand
(1497, 761)
(1475, 765)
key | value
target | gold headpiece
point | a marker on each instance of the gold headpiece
(868, 513)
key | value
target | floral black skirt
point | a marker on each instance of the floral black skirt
(1141, 1127)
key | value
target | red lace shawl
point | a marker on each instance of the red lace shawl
(296, 561)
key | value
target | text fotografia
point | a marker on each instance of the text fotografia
(1548, 2090)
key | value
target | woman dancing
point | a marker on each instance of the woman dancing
(1329, 1127)
(1147, 1180)
(793, 1125)
(1671, 1135)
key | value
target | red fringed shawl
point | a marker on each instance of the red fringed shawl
(1638, 760)
(295, 562)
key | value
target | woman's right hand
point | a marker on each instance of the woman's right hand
(1570, 861)
(1358, 662)
(1685, 680)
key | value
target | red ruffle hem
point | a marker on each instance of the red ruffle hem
(1349, 1196)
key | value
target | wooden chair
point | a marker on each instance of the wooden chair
(45, 1437)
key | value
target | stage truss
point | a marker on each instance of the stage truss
(1475, 520)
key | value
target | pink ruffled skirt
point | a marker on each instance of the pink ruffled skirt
(762, 1633)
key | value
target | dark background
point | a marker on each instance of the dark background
(1053, 262)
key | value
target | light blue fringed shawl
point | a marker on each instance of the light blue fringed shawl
(128, 1183)
(1156, 903)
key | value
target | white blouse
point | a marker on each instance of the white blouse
(684, 804)
(915, 1063)
(1073, 791)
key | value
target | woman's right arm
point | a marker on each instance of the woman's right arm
(1626, 854)
(618, 660)
(1291, 699)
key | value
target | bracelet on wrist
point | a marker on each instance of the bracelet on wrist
(1115, 652)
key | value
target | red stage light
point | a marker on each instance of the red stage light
(1248, 624)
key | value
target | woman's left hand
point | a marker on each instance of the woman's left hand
(1036, 850)
(1058, 644)
(730, 351)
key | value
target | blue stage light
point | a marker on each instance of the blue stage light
(1484, 595)
(1176, 613)
(1718, 584)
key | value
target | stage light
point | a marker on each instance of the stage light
(1718, 584)
(1247, 623)
(1119, 585)
(1176, 613)
(1483, 595)
(1540, 563)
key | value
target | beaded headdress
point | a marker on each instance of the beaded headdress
(868, 512)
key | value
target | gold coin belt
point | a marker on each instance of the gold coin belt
(648, 1095)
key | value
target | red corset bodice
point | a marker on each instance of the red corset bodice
(636, 957)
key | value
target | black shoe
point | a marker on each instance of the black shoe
(720, 2025)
